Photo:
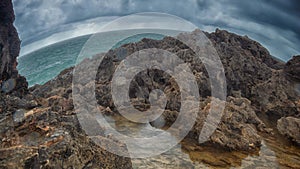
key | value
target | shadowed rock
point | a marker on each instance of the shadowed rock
(290, 126)
(292, 68)
(10, 80)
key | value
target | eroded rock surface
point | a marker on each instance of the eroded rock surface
(40, 132)
(290, 126)
(292, 68)
(238, 128)
(40, 129)
(257, 77)
(10, 80)
(50, 137)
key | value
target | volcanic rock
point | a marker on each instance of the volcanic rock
(10, 80)
(239, 126)
(41, 131)
(290, 126)
(292, 68)
(256, 84)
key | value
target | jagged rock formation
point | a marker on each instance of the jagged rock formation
(238, 128)
(10, 80)
(49, 137)
(252, 70)
(256, 83)
(39, 133)
(39, 128)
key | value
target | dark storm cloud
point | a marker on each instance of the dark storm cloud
(279, 13)
(35, 18)
(275, 23)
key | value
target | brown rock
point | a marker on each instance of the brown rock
(238, 128)
(254, 78)
(47, 139)
(292, 68)
(41, 137)
(290, 126)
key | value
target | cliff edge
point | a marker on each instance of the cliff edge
(10, 80)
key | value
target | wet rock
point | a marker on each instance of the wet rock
(290, 126)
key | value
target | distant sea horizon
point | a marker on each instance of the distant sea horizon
(47, 62)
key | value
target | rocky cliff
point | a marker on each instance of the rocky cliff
(10, 80)
(32, 136)
(39, 128)
(258, 85)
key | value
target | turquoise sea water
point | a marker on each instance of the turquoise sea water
(44, 64)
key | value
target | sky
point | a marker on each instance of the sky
(273, 23)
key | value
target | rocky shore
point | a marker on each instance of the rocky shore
(38, 133)
(39, 128)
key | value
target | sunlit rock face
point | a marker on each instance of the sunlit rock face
(10, 80)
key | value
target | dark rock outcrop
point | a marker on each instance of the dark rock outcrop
(38, 132)
(252, 70)
(10, 80)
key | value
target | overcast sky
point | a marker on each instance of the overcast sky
(274, 23)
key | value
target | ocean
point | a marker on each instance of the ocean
(46, 63)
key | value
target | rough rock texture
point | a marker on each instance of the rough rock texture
(252, 70)
(249, 68)
(238, 128)
(40, 129)
(290, 126)
(256, 84)
(49, 137)
(292, 68)
(41, 132)
(10, 80)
